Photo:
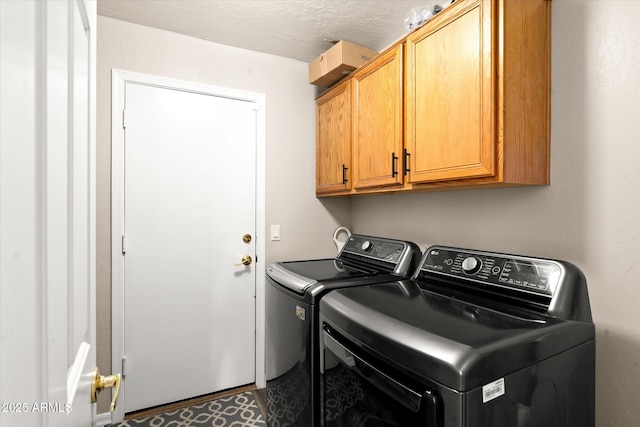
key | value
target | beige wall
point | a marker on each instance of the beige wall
(306, 222)
(590, 215)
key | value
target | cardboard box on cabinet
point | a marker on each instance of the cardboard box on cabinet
(337, 62)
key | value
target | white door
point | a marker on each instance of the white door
(47, 211)
(189, 198)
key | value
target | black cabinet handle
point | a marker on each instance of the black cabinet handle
(406, 162)
(344, 174)
(394, 171)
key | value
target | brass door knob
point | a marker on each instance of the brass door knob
(246, 238)
(246, 260)
(100, 382)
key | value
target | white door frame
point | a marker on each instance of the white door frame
(118, 80)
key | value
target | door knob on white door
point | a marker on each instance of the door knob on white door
(246, 260)
(100, 382)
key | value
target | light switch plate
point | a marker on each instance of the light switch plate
(275, 233)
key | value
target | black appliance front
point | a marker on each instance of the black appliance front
(293, 292)
(476, 339)
(358, 390)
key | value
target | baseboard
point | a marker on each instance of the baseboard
(103, 419)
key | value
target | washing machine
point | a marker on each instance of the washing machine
(294, 290)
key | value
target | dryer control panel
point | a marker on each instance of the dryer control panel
(529, 275)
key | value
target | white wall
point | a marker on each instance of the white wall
(590, 215)
(306, 222)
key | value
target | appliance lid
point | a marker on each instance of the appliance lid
(361, 256)
(299, 275)
(456, 343)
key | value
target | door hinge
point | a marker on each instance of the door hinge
(124, 366)
(124, 244)
(124, 119)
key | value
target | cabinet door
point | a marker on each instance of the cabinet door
(333, 140)
(449, 107)
(377, 122)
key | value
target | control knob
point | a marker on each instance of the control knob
(471, 265)
(367, 245)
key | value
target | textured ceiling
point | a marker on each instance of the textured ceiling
(298, 29)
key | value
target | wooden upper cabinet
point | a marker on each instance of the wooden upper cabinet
(462, 102)
(377, 122)
(448, 98)
(333, 140)
(477, 95)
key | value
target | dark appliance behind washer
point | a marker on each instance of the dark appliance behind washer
(293, 291)
(476, 339)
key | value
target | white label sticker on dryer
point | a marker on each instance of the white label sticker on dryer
(493, 390)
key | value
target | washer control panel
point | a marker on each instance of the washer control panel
(532, 275)
(374, 247)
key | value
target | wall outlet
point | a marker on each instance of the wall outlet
(275, 233)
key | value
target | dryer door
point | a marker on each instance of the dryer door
(358, 391)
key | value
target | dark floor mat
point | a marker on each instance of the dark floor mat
(239, 410)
